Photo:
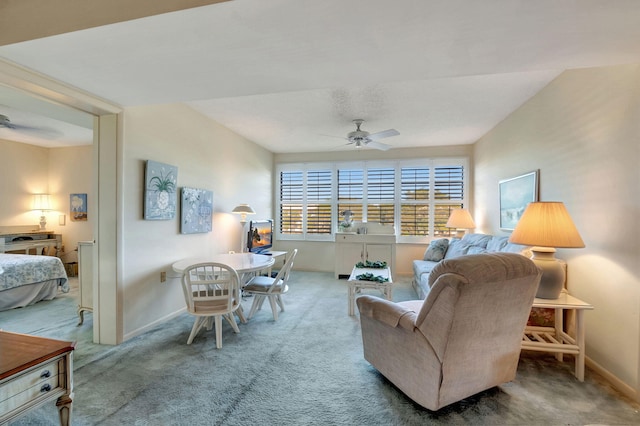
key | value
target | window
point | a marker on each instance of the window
(305, 204)
(350, 192)
(380, 196)
(291, 202)
(414, 201)
(319, 202)
(415, 196)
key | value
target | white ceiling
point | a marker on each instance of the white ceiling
(291, 75)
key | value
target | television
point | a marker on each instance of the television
(260, 236)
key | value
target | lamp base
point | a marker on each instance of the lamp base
(553, 273)
(460, 233)
(43, 223)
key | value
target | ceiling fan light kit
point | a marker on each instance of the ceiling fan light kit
(361, 138)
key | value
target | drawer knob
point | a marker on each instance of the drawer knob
(45, 388)
(46, 374)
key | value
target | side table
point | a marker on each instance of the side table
(556, 339)
(354, 284)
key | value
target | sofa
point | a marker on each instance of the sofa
(448, 249)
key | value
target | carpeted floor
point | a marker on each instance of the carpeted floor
(305, 369)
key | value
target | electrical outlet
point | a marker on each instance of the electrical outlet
(163, 276)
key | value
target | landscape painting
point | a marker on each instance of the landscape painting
(515, 194)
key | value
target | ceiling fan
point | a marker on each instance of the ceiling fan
(361, 138)
(5, 123)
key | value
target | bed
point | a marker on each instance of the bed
(27, 279)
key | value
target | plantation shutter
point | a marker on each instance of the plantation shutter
(381, 195)
(414, 201)
(291, 198)
(350, 192)
(319, 202)
(449, 186)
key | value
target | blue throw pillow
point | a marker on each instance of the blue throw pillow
(436, 250)
(456, 248)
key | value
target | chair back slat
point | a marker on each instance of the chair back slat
(211, 287)
(283, 274)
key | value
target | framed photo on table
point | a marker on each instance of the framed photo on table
(515, 194)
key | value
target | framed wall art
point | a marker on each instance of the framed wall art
(160, 197)
(78, 207)
(196, 211)
(515, 194)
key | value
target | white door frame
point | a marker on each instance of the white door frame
(107, 181)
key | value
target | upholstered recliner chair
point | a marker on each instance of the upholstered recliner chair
(465, 337)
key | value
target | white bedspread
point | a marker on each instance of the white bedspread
(20, 269)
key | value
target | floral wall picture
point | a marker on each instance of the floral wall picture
(78, 207)
(160, 197)
(196, 211)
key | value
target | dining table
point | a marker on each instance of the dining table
(245, 264)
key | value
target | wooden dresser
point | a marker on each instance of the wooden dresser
(33, 371)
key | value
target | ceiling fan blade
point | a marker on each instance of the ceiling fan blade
(36, 131)
(378, 145)
(333, 136)
(383, 134)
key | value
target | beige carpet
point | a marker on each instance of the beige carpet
(305, 369)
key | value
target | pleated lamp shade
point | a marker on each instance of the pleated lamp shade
(547, 224)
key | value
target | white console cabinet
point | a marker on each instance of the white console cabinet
(85, 278)
(352, 248)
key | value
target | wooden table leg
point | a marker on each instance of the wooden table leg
(64, 409)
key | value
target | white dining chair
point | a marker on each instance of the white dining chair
(211, 292)
(262, 287)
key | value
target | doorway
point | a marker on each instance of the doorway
(30, 90)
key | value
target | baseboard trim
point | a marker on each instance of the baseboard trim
(148, 327)
(618, 384)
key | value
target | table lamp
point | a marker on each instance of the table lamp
(461, 220)
(243, 210)
(547, 226)
(41, 202)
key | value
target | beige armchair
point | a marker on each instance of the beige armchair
(465, 337)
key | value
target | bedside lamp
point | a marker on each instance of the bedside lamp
(41, 202)
(547, 226)
(461, 220)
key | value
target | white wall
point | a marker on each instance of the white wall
(25, 171)
(29, 169)
(320, 256)
(582, 133)
(208, 156)
(71, 172)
